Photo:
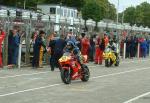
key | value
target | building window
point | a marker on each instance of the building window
(75, 14)
(58, 11)
(72, 13)
(68, 13)
(61, 11)
(18, 13)
(52, 10)
(65, 12)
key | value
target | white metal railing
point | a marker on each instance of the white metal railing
(58, 20)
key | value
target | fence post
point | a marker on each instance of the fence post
(19, 55)
(138, 53)
(149, 50)
(124, 51)
(7, 31)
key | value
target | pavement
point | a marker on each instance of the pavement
(128, 83)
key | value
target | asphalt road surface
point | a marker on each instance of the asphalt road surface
(128, 83)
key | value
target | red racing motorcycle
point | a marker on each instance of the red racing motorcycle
(71, 69)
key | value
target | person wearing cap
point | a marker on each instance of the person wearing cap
(2, 36)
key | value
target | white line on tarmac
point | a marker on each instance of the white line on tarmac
(5, 77)
(31, 74)
(28, 90)
(114, 74)
(138, 97)
(44, 87)
(138, 60)
(23, 75)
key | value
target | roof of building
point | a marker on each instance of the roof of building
(56, 5)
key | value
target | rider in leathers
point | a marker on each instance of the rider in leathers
(112, 45)
(72, 48)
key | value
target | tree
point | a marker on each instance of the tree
(144, 13)
(138, 15)
(129, 15)
(104, 7)
(111, 13)
(121, 17)
(91, 10)
(108, 10)
(85, 13)
(96, 15)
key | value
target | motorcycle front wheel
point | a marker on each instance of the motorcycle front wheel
(117, 62)
(107, 63)
(66, 76)
(85, 73)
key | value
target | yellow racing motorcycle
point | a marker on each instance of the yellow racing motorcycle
(110, 58)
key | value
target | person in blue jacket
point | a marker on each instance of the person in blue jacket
(57, 47)
(143, 46)
(132, 47)
(72, 48)
(148, 45)
(15, 47)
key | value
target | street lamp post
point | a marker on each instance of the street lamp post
(118, 12)
(79, 25)
(117, 21)
(60, 19)
(24, 4)
(4, 17)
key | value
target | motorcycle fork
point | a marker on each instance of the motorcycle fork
(69, 70)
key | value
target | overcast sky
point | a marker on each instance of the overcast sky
(127, 3)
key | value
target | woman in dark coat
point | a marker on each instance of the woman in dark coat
(132, 47)
(10, 37)
(36, 49)
(128, 44)
(92, 48)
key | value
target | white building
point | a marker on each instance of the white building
(58, 10)
(60, 13)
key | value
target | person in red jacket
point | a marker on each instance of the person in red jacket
(2, 36)
(97, 50)
(106, 40)
(85, 44)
